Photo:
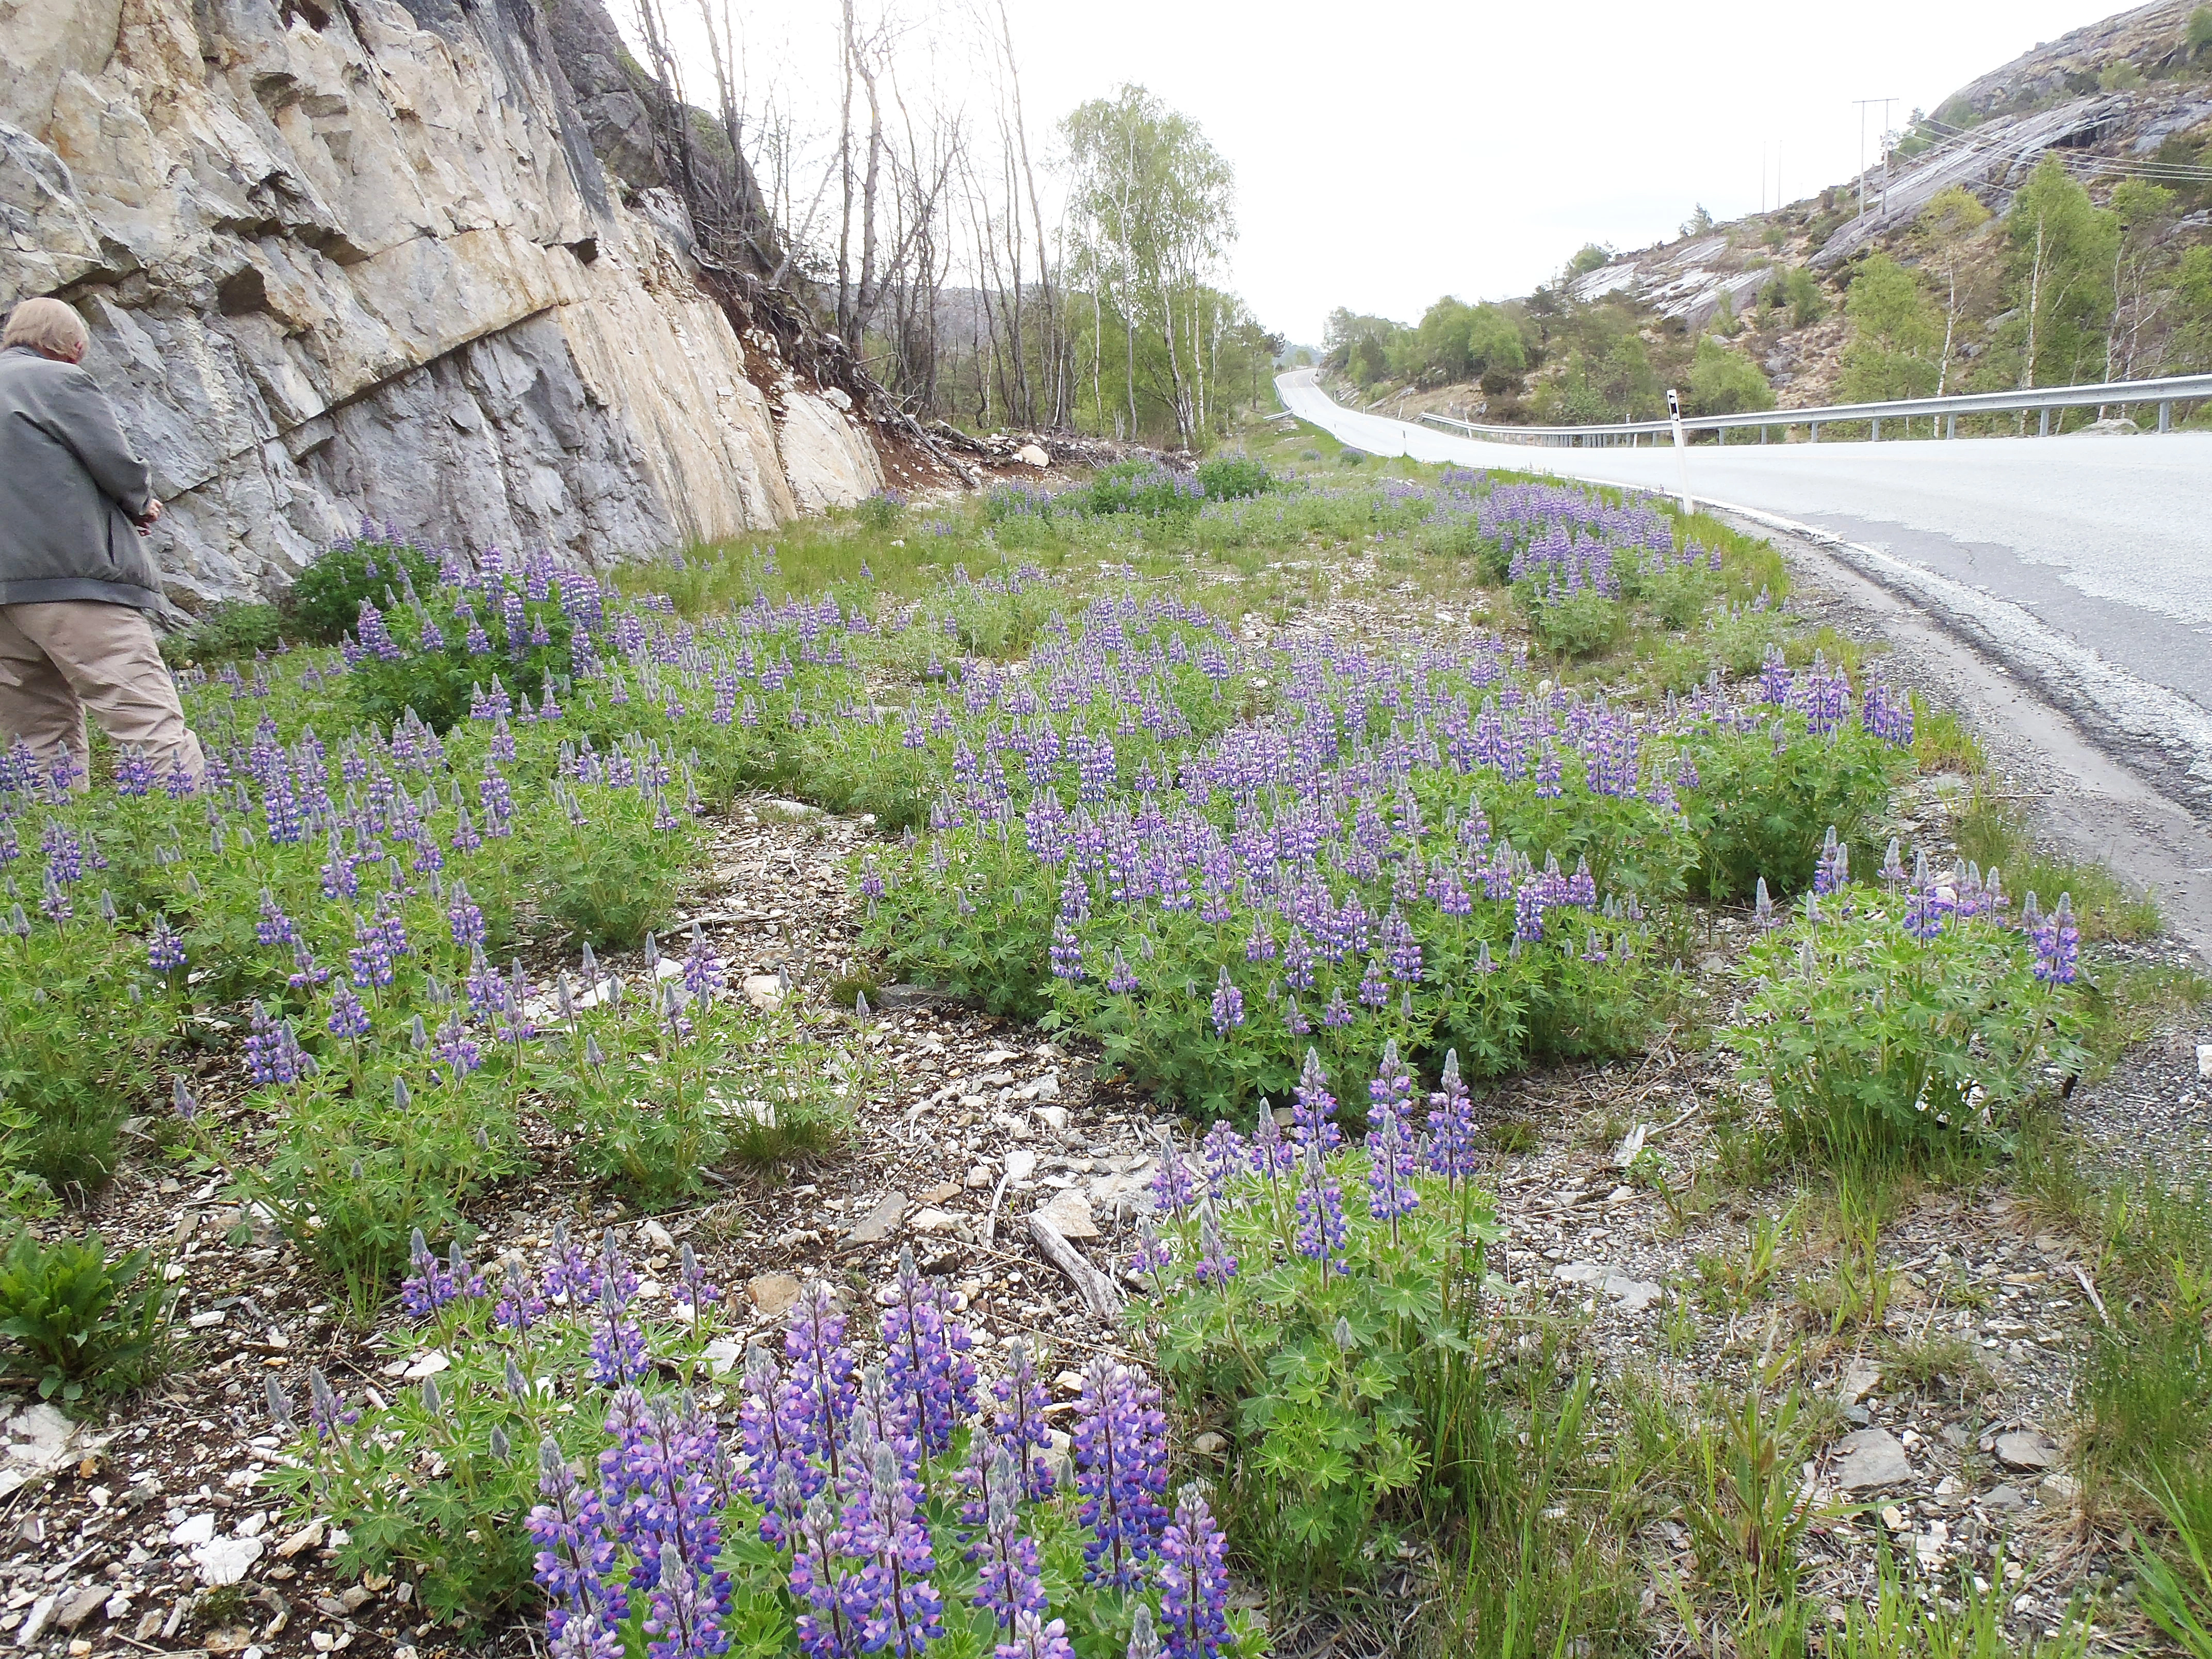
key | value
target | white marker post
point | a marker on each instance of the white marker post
(1681, 453)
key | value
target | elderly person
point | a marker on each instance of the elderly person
(76, 579)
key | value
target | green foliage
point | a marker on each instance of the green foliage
(1763, 800)
(234, 628)
(2198, 35)
(1349, 1390)
(612, 879)
(661, 1108)
(437, 669)
(1871, 1038)
(2173, 1586)
(1746, 1512)
(324, 602)
(83, 1323)
(350, 1173)
(1575, 625)
(1966, 1619)
(1993, 831)
(1232, 477)
(81, 1022)
(882, 511)
(1724, 382)
(1896, 342)
(1800, 290)
(2061, 257)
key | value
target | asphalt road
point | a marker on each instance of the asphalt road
(2083, 563)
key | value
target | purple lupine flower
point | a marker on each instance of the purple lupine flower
(1215, 1265)
(818, 1379)
(659, 1484)
(165, 950)
(700, 1293)
(618, 1350)
(1924, 908)
(1010, 1583)
(926, 1359)
(1174, 1188)
(1224, 1155)
(1121, 1470)
(1391, 1193)
(347, 1019)
(1018, 1424)
(1194, 1580)
(1762, 908)
(433, 1283)
(326, 1407)
(1893, 866)
(1034, 1637)
(821, 1583)
(703, 971)
(1271, 1156)
(454, 1046)
(2058, 942)
(899, 1610)
(1121, 981)
(575, 1564)
(1314, 1111)
(1152, 1255)
(273, 1055)
(1373, 989)
(1228, 1005)
(1321, 1231)
(1834, 866)
(1067, 955)
(464, 918)
(1451, 1125)
(521, 1304)
(275, 928)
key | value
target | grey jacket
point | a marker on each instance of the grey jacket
(70, 488)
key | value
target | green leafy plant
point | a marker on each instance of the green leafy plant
(85, 1323)
(612, 879)
(1747, 1513)
(1870, 1037)
(325, 599)
(1347, 1380)
(233, 629)
(1762, 799)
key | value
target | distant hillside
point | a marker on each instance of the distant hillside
(1761, 310)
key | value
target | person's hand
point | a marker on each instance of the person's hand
(153, 513)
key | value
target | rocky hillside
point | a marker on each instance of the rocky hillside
(2123, 97)
(409, 260)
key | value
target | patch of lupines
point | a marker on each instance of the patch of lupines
(927, 1359)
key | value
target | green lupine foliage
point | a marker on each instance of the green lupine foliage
(1870, 1037)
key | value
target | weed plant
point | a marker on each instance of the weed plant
(84, 1324)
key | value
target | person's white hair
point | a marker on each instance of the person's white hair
(48, 326)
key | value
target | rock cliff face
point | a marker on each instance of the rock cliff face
(349, 257)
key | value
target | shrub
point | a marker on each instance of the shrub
(1910, 1018)
(452, 656)
(325, 599)
(881, 511)
(233, 629)
(1141, 487)
(613, 877)
(1322, 1311)
(651, 1109)
(1227, 477)
(84, 1323)
(1584, 624)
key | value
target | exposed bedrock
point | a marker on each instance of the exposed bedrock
(349, 257)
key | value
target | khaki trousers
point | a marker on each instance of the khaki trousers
(58, 661)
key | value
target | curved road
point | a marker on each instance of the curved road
(2084, 562)
(2082, 565)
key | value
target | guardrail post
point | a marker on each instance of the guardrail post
(1816, 431)
(1876, 438)
(2043, 422)
(2165, 416)
(1950, 426)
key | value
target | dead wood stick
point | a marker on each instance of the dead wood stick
(1098, 1292)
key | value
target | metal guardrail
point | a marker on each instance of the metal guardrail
(2164, 392)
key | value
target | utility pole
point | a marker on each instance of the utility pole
(1862, 103)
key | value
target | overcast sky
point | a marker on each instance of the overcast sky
(1389, 152)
